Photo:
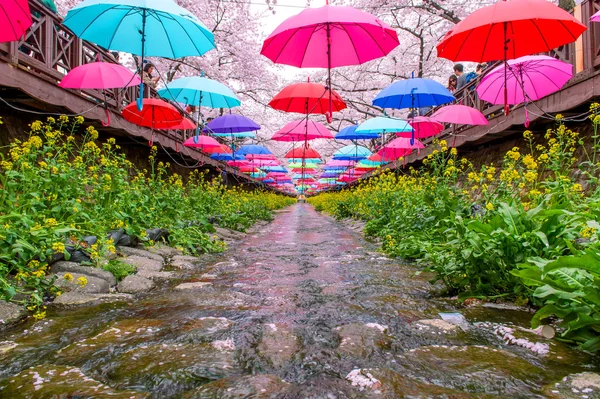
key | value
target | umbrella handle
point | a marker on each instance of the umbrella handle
(526, 117)
(151, 141)
(107, 123)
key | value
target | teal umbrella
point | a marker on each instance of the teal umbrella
(352, 153)
(382, 124)
(200, 92)
(148, 28)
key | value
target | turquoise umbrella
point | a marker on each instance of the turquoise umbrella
(247, 135)
(382, 124)
(200, 92)
(352, 153)
(148, 28)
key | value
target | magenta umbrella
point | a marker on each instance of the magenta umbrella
(99, 75)
(205, 143)
(302, 130)
(460, 115)
(400, 147)
(329, 37)
(595, 17)
(423, 127)
(529, 78)
(15, 19)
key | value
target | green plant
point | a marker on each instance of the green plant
(119, 269)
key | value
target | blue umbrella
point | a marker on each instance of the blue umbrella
(350, 133)
(239, 135)
(413, 93)
(253, 149)
(382, 124)
(352, 153)
(278, 169)
(200, 92)
(335, 168)
(150, 28)
(227, 157)
(306, 160)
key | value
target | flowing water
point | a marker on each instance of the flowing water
(304, 308)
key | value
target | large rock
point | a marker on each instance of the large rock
(10, 313)
(72, 267)
(575, 386)
(155, 275)
(164, 251)
(193, 286)
(185, 262)
(228, 234)
(79, 298)
(94, 285)
(144, 264)
(130, 251)
(135, 284)
(278, 344)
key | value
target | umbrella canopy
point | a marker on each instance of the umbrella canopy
(99, 75)
(595, 17)
(205, 143)
(352, 153)
(200, 92)
(400, 147)
(306, 165)
(15, 19)
(231, 123)
(460, 115)
(529, 78)
(185, 124)
(423, 127)
(382, 124)
(339, 163)
(307, 160)
(302, 130)
(240, 135)
(524, 26)
(307, 98)
(226, 157)
(253, 149)
(350, 36)
(413, 93)
(157, 28)
(155, 114)
(350, 133)
(302, 152)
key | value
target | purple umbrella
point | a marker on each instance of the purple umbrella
(231, 123)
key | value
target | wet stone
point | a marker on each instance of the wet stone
(278, 344)
(203, 330)
(79, 298)
(193, 286)
(142, 253)
(10, 313)
(436, 325)
(582, 385)
(363, 340)
(164, 251)
(7, 346)
(53, 381)
(170, 369)
(186, 262)
(155, 275)
(262, 386)
(94, 285)
(72, 267)
(135, 285)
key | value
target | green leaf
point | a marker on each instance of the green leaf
(589, 261)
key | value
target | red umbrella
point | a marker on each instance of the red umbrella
(304, 152)
(508, 30)
(185, 124)
(155, 114)
(302, 130)
(15, 19)
(307, 98)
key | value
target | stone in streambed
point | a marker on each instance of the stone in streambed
(193, 286)
(155, 275)
(135, 285)
(94, 285)
(6, 346)
(362, 340)
(261, 386)
(164, 251)
(575, 386)
(185, 262)
(10, 313)
(79, 298)
(278, 344)
(53, 381)
(436, 325)
(72, 267)
(131, 251)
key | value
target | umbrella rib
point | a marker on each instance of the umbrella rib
(306, 47)
(119, 25)
(368, 33)
(8, 18)
(96, 18)
(188, 35)
(487, 39)
(541, 34)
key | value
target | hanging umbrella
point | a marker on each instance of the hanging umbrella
(199, 91)
(413, 93)
(329, 37)
(226, 157)
(302, 153)
(508, 30)
(252, 150)
(99, 75)
(352, 153)
(383, 124)
(307, 160)
(15, 19)
(423, 127)
(146, 28)
(595, 17)
(529, 78)
(155, 114)
(306, 165)
(185, 124)
(205, 143)
(460, 115)
(350, 133)
(231, 123)
(240, 135)
(339, 163)
(302, 130)
(400, 147)
(307, 98)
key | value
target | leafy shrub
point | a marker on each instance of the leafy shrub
(119, 269)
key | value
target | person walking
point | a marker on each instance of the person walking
(460, 76)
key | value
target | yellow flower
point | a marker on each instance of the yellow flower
(63, 118)
(68, 276)
(35, 126)
(527, 134)
(79, 119)
(489, 206)
(50, 222)
(51, 120)
(81, 281)
(454, 152)
(58, 247)
(39, 315)
(576, 188)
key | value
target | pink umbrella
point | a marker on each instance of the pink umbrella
(595, 17)
(202, 142)
(340, 163)
(423, 127)
(302, 130)
(529, 78)
(99, 75)
(400, 147)
(329, 37)
(460, 115)
(15, 19)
